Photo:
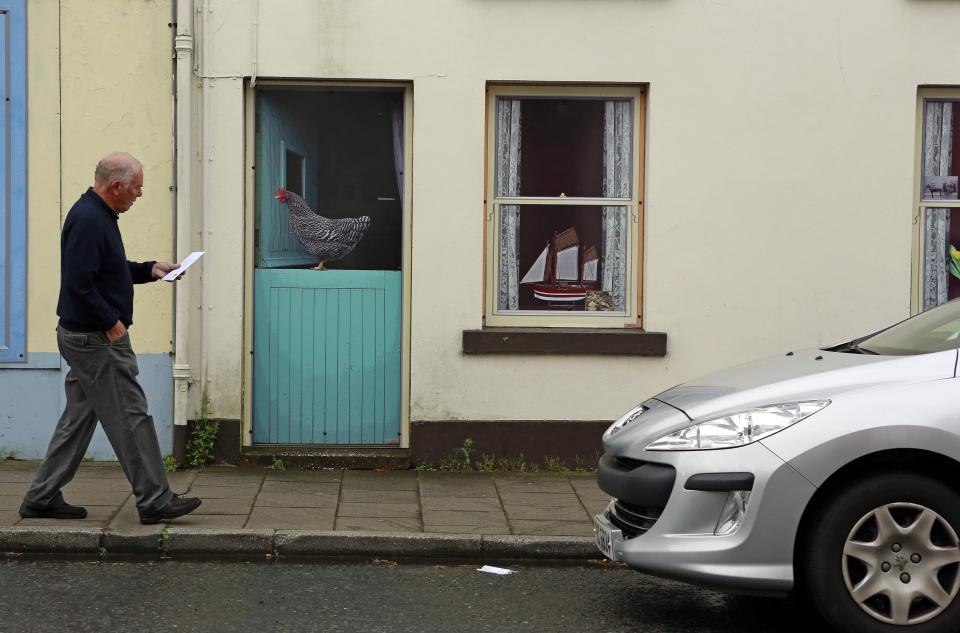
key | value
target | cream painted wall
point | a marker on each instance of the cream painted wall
(780, 148)
(43, 174)
(106, 87)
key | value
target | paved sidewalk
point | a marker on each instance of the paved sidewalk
(325, 512)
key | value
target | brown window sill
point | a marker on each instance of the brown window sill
(535, 340)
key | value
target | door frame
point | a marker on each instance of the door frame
(249, 211)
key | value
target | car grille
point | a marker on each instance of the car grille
(633, 520)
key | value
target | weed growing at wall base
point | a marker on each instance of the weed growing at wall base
(205, 430)
(463, 460)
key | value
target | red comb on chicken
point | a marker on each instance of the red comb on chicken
(325, 238)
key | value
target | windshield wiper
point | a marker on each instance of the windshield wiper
(853, 348)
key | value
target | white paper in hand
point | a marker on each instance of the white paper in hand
(185, 264)
(500, 571)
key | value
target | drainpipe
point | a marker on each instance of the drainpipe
(183, 45)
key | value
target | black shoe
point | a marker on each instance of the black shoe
(62, 510)
(177, 507)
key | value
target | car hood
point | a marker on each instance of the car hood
(805, 375)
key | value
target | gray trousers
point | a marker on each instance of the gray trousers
(102, 384)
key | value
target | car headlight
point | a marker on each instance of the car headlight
(628, 417)
(737, 429)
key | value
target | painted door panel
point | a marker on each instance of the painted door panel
(327, 357)
(278, 135)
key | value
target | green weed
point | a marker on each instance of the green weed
(200, 445)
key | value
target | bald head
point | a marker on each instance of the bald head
(118, 180)
(116, 166)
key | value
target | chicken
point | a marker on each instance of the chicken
(324, 238)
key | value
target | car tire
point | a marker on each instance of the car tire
(883, 556)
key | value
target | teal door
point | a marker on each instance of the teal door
(327, 344)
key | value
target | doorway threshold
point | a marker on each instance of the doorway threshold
(320, 457)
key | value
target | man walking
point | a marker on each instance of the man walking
(95, 310)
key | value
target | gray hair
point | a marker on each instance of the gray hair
(116, 166)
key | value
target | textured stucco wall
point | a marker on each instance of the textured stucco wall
(100, 79)
(779, 180)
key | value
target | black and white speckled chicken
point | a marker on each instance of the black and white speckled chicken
(325, 238)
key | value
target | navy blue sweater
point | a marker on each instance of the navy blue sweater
(96, 280)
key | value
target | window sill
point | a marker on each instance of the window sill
(533, 340)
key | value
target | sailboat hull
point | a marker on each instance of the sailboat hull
(568, 294)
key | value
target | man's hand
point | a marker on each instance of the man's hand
(117, 331)
(162, 268)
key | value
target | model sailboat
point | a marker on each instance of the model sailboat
(564, 271)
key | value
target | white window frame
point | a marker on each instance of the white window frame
(921, 206)
(632, 316)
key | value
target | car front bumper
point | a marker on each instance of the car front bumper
(677, 539)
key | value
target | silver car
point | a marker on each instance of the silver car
(834, 471)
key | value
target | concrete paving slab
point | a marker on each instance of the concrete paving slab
(125, 534)
(87, 497)
(479, 519)
(181, 479)
(294, 500)
(230, 505)
(224, 492)
(127, 520)
(595, 505)
(383, 510)
(461, 504)
(471, 490)
(466, 529)
(10, 502)
(541, 499)
(195, 520)
(19, 464)
(98, 484)
(445, 511)
(352, 495)
(391, 480)
(552, 528)
(11, 475)
(16, 489)
(545, 513)
(319, 489)
(393, 524)
(523, 486)
(99, 472)
(292, 518)
(318, 476)
(205, 479)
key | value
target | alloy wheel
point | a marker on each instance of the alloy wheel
(901, 563)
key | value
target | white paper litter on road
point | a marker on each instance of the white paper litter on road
(185, 264)
(500, 571)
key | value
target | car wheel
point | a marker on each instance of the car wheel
(883, 555)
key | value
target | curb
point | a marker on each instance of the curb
(231, 543)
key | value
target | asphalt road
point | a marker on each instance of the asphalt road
(40, 595)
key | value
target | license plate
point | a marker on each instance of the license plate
(603, 536)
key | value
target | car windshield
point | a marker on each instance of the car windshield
(935, 330)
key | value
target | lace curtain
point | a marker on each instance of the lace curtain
(508, 185)
(937, 156)
(397, 120)
(617, 157)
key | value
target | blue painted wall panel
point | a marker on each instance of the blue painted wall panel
(13, 173)
(27, 422)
